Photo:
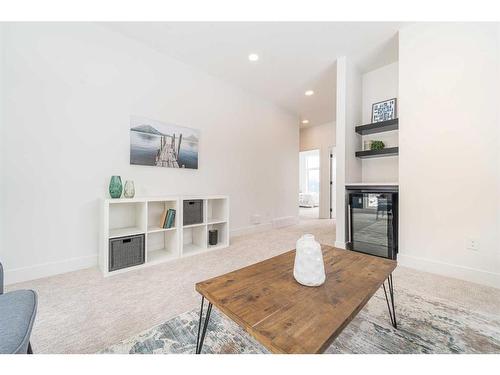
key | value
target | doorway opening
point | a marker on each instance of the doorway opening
(309, 184)
(317, 129)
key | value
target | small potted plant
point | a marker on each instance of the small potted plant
(377, 145)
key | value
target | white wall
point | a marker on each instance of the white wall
(349, 87)
(2, 121)
(353, 118)
(340, 133)
(69, 92)
(449, 164)
(322, 138)
(378, 85)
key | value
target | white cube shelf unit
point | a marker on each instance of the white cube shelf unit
(215, 216)
(127, 217)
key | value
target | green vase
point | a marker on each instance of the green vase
(115, 187)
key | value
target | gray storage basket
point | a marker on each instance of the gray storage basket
(192, 212)
(126, 252)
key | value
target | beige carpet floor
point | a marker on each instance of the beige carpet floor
(308, 213)
(82, 312)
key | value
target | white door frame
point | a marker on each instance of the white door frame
(333, 162)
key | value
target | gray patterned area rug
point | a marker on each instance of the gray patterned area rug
(424, 326)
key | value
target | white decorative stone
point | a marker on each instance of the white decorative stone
(309, 268)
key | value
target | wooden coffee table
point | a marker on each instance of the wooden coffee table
(287, 317)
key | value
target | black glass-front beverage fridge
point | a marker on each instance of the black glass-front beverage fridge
(372, 217)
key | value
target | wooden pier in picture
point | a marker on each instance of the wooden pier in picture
(168, 154)
(157, 144)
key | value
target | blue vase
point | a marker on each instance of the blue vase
(115, 187)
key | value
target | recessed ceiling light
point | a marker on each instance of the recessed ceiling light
(309, 93)
(253, 57)
(305, 122)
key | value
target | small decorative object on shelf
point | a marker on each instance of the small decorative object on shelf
(377, 145)
(383, 111)
(129, 190)
(309, 268)
(115, 187)
(213, 235)
(367, 145)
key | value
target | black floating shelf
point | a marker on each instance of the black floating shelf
(378, 127)
(390, 151)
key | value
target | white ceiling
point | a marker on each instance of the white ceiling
(294, 56)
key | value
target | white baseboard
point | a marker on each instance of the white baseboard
(451, 270)
(251, 229)
(285, 221)
(280, 222)
(340, 245)
(17, 275)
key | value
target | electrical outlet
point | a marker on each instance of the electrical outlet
(472, 244)
(256, 219)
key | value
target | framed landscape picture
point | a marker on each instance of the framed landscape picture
(159, 144)
(383, 111)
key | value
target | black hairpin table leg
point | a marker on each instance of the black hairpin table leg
(201, 333)
(390, 305)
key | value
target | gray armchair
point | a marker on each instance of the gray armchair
(17, 314)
